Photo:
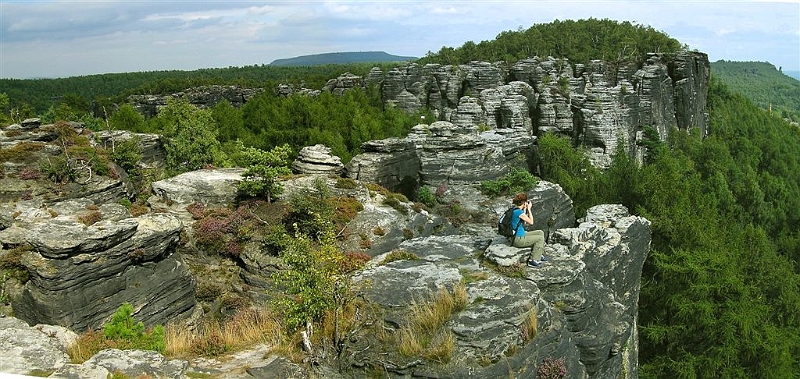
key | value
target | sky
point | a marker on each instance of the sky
(50, 39)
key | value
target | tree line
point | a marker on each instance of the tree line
(580, 41)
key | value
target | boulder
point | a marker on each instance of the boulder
(317, 159)
(215, 187)
(27, 350)
(79, 275)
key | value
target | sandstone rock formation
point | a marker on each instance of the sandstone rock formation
(585, 299)
(317, 159)
(202, 97)
(599, 104)
(217, 186)
(79, 275)
(441, 152)
(153, 153)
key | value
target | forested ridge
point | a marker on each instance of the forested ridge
(580, 41)
(721, 287)
(763, 84)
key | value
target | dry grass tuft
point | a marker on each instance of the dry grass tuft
(530, 325)
(247, 328)
(424, 334)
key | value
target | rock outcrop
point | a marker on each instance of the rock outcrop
(79, 274)
(202, 97)
(442, 152)
(584, 298)
(598, 104)
(317, 159)
(153, 153)
(215, 187)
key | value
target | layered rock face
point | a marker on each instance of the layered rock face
(442, 152)
(599, 104)
(584, 297)
(79, 275)
(317, 159)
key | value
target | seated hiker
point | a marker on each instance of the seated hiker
(526, 238)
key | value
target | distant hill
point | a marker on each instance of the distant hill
(763, 84)
(341, 58)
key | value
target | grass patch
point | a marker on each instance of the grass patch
(245, 329)
(399, 255)
(424, 334)
(530, 325)
(472, 276)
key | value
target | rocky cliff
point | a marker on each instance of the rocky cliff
(599, 104)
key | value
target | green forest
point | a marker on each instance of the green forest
(721, 287)
(763, 84)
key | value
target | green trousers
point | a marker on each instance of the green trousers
(533, 239)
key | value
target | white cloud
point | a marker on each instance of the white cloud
(116, 36)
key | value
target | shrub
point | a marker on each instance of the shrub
(127, 155)
(90, 218)
(58, 169)
(263, 169)
(399, 255)
(517, 180)
(130, 334)
(21, 152)
(310, 279)
(353, 261)
(346, 183)
(552, 369)
(122, 332)
(196, 209)
(28, 173)
(138, 208)
(125, 202)
(426, 197)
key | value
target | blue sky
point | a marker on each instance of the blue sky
(71, 38)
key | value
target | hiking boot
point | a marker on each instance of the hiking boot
(533, 264)
(544, 259)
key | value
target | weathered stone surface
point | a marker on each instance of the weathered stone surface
(501, 253)
(585, 301)
(135, 363)
(24, 349)
(218, 186)
(317, 159)
(343, 83)
(79, 275)
(439, 153)
(388, 162)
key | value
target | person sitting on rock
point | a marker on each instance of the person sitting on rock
(527, 238)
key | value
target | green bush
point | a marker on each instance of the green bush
(263, 169)
(517, 180)
(130, 334)
(426, 196)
